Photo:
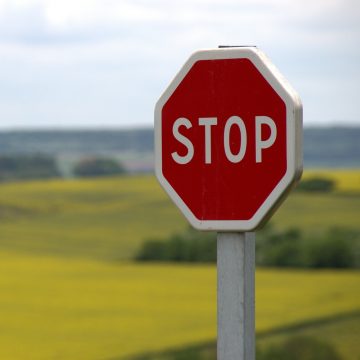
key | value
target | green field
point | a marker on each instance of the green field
(108, 219)
(68, 290)
(103, 219)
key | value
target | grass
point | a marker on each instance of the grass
(80, 309)
(340, 331)
(313, 213)
(108, 219)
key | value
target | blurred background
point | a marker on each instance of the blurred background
(95, 261)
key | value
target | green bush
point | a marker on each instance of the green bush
(316, 184)
(283, 249)
(90, 167)
(24, 167)
(338, 248)
(152, 250)
(191, 246)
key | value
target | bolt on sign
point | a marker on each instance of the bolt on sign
(228, 139)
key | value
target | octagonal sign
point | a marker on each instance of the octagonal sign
(228, 139)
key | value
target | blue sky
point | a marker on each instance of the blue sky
(104, 63)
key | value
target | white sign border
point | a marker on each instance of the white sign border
(293, 146)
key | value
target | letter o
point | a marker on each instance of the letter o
(235, 120)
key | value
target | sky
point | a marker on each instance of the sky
(104, 63)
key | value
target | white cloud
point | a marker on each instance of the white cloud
(69, 14)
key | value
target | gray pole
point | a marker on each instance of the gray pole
(236, 296)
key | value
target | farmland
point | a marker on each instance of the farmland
(82, 309)
(70, 291)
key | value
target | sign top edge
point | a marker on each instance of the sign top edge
(225, 52)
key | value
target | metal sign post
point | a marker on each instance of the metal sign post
(236, 296)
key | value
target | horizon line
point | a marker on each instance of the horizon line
(138, 127)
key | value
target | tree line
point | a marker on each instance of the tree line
(335, 248)
(29, 167)
(41, 166)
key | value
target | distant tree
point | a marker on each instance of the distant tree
(316, 184)
(279, 248)
(22, 167)
(189, 246)
(98, 167)
(152, 250)
(337, 248)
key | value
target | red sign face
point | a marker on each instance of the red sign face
(226, 139)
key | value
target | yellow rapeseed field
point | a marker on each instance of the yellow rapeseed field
(57, 308)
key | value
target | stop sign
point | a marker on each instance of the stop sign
(228, 139)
